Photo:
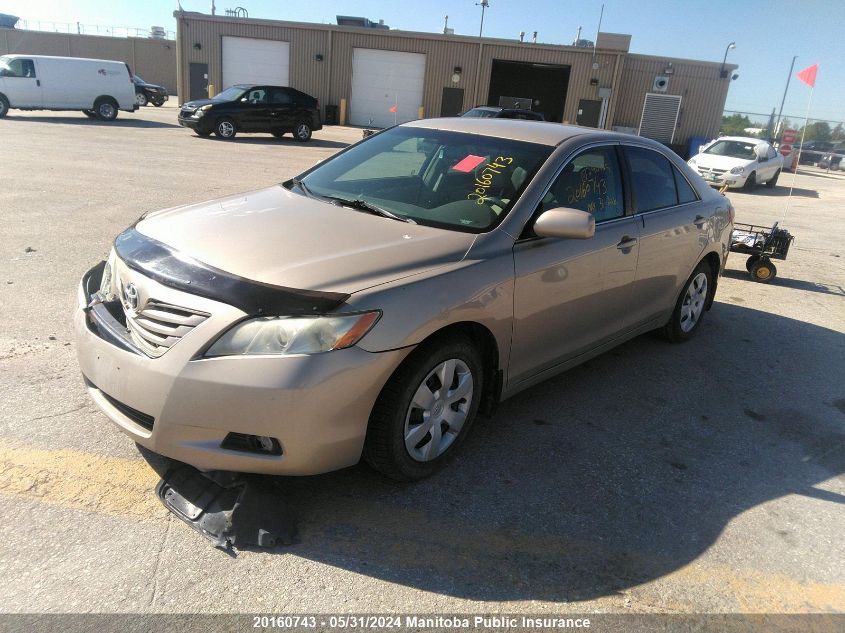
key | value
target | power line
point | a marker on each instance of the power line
(785, 116)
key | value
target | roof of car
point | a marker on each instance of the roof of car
(742, 139)
(543, 132)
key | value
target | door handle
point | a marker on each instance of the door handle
(699, 221)
(627, 243)
(38, 82)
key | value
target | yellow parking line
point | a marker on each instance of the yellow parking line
(79, 480)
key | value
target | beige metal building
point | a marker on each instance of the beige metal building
(152, 59)
(378, 77)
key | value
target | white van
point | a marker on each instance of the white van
(97, 87)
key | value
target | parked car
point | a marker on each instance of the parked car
(738, 161)
(146, 93)
(250, 108)
(495, 112)
(375, 304)
(97, 87)
(833, 159)
(811, 151)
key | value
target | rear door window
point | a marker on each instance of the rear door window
(278, 96)
(652, 180)
(685, 192)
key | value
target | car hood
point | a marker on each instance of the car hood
(153, 86)
(278, 237)
(714, 161)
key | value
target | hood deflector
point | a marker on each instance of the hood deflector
(177, 270)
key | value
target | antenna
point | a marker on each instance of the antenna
(522, 36)
(534, 38)
(446, 25)
(598, 30)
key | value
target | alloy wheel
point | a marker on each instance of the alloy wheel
(302, 131)
(693, 303)
(225, 129)
(438, 410)
(141, 99)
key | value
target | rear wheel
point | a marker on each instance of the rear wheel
(225, 129)
(106, 109)
(690, 308)
(302, 132)
(753, 259)
(141, 99)
(425, 410)
(751, 181)
(158, 103)
(4, 106)
(763, 271)
(773, 181)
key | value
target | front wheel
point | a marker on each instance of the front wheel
(690, 308)
(425, 410)
(752, 259)
(141, 99)
(302, 132)
(106, 109)
(158, 103)
(225, 129)
(763, 271)
(773, 181)
(751, 181)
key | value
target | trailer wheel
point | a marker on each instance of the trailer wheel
(763, 271)
(753, 259)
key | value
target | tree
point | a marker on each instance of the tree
(838, 133)
(734, 125)
(818, 131)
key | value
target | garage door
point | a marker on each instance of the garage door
(252, 61)
(382, 79)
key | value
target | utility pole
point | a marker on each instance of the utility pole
(782, 101)
(483, 4)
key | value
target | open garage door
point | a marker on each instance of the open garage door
(382, 79)
(253, 61)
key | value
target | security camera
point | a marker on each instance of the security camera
(735, 76)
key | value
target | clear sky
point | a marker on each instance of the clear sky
(767, 32)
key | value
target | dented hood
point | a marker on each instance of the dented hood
(278, 237)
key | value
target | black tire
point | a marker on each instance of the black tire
(4, 106)
(750, 182)
(384, 448)
(141, 99)
(277, 133)
(763, 271)
(158, 103)
(752, 259)
(677, 329)
(773, 181)
(106, 109)
(302, 131)
(225, 128)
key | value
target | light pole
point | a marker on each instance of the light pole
(722, 72)
(483, 4)
(782, 101)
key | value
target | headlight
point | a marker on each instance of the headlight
(737, 170)
(201, 111)
(293, 335)
(691, 162)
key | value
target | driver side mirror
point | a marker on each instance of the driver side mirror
(563, 222)
(761, 152)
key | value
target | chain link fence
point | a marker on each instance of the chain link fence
(78, 28)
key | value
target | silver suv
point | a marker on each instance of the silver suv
(374, 305)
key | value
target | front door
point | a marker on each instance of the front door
(198, 81)
(589, 111)
(254, 111)
(452, 102)
(23, 87)
(572, 295)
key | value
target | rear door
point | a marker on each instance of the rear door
(673, 232)
(572, 295)
(282, 109)
(23, 85)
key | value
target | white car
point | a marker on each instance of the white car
(738, 161)
(97, 87)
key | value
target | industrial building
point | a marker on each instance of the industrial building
(379, 76)
(152, 58)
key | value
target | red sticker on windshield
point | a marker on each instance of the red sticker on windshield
(469, 163)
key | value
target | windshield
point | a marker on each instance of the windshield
(453, 180)
(230, 94)
(480, 113)
(734, 149)
(138, 79)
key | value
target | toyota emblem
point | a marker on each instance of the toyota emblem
(130, 297)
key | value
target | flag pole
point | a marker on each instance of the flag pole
(803, 132)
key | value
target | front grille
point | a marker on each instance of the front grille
(718, 172)
(159, 326)
(141, 419)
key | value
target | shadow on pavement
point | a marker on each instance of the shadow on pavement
(271, 140)
(613, 474)
(786, 282)
(782, 190)
(123, 120)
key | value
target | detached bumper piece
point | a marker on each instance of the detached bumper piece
(228, 509)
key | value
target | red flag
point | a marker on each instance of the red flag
(808, 75)
(392, 108)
